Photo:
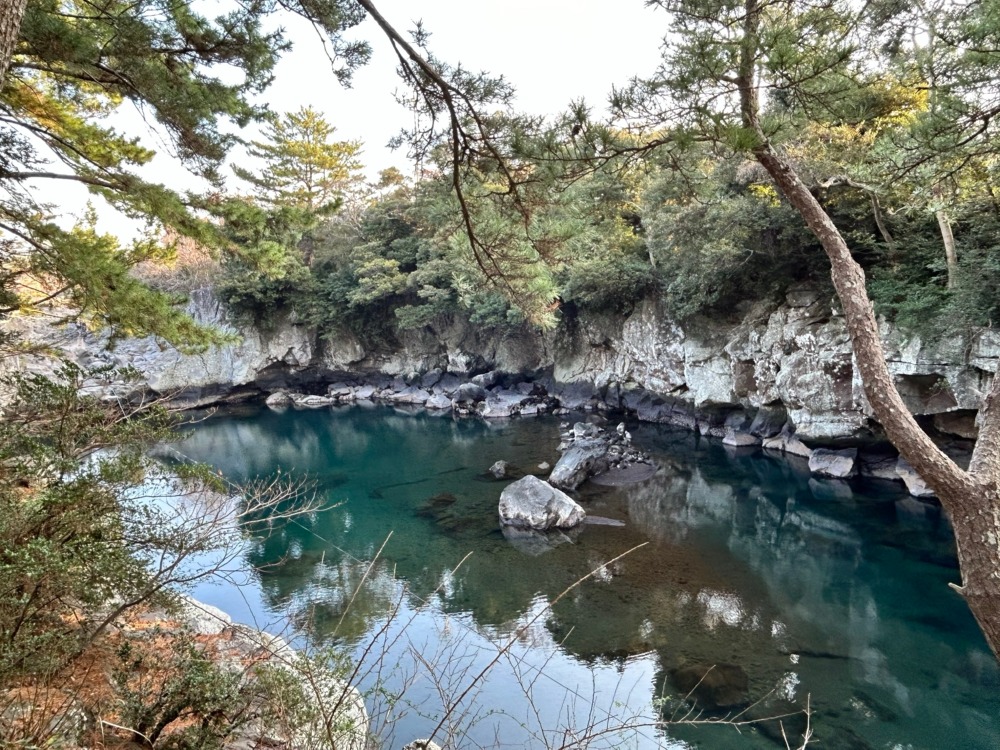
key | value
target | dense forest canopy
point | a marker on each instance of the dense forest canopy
(886, 109)
(777, 140)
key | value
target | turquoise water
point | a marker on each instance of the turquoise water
(824, 592)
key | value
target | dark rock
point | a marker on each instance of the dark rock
(576, 395)
(430, 379)
(740, 439)
(448, 384)
(961, 423)
(713, 687)
(769, 421)
(583, 457)
(631, 397)
(878, 466)
(487, 379)
(470, 393)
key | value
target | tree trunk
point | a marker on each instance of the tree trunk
(972, 500)
(977, 536)
(948, 238)
(10, 29)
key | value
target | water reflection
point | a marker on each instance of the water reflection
(786, 585)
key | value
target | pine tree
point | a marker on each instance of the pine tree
(303, 166)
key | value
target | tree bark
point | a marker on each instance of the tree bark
(948, 238)
(10, 28)
(977, 536)
(972, 500)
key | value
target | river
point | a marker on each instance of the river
(789, 590)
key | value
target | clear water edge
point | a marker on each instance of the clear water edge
(836, 591)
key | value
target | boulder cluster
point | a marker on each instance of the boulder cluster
(484, 395)
(588, 450)
(532, 506)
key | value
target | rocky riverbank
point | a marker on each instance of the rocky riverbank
(777, 377)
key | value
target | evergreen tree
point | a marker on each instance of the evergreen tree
(72, 65)
(303, 167)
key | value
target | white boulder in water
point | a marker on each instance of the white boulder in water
(532, 503)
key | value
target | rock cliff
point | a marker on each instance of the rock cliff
(786, 367)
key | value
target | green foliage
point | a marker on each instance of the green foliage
(721, 241)
(90, 526)
(65, 526)
(184, 699)
(303, 167)
(74, 63)
(184, 685)
(614, 284)
(910, 287)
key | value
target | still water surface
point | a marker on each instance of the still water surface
(825, 591)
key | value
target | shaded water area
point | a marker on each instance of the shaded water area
(793, 588)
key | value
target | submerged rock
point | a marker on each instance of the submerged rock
(713, 687)
(838, 464)
(531, 503)
(533, 543)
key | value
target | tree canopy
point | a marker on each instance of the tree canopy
(193, 76)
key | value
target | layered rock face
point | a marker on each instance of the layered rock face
(781, 375)
(254, 357)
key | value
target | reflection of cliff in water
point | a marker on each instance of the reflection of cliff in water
(825, 558)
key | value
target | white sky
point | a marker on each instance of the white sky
(552, 51)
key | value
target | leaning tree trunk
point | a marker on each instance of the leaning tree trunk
(971, 498)
(10, 27)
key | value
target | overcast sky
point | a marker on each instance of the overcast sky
(552, 51)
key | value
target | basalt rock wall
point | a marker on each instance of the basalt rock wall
(787, 366)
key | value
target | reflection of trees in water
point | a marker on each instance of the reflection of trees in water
(327, 594)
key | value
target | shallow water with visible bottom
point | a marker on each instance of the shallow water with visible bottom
(790, 590)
